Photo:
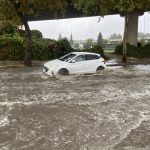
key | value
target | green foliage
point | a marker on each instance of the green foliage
(20, 11)
(89, 43)
(142, 41)
(143, 35)
(119, 49)
(76, 45)
(35, 33)
(45, 49)
(133, 51)
(64, 46)
(146, 50)
(12, 9)
(100, 40)
(115, 36)
(42, 49)
(7, 28)
(12, 48)
(96, 49)
(103, 7)
(90, 7)
(71, 40)
(59, 36)
(22, 33)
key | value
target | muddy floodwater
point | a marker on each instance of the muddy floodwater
(105, 111)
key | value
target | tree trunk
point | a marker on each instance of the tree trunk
(124, 57)
(132, 32)
(23, 18)
(27, 57)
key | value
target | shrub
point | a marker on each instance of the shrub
(64, 46)
(96, 49)
(146, 50)
(7, 28)
(35, 33)
(22, 33)
(44, 49)
(118, 49)
(11, 48)
(133, 51)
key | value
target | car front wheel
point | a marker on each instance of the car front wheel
(100, 68)
(63, 71)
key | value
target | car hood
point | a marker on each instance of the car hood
(54, 63)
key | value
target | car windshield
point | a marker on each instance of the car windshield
(68, 57)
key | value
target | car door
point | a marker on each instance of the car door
(77, 65)
(91, 63)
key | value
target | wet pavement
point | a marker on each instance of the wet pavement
(105, 111)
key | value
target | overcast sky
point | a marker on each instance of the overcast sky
(84, 28)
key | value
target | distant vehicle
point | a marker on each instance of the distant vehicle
(75, 63)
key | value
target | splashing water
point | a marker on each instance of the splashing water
(105, 111)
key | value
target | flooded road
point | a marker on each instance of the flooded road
(105, 111)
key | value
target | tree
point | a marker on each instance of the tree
(59, 36)
(76, 45)
(89, 43)
(71, 40)
(123, 7)
(115, 36)
(143, 35)
(7, 28)
(19, 12)
(100, 40)
(142, 41)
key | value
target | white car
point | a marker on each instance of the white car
(75, 63)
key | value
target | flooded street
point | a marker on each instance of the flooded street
(105, 111)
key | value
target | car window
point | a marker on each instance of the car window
(80, 58)
(67, 57)
(91, 57)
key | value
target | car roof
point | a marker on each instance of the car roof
(79, 53)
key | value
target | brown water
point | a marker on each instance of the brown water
(107, 111)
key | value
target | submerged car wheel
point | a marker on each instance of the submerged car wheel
(63, 71)
(100, 68)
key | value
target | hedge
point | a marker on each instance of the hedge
(44, 49)
(133, 51)
(12, 48)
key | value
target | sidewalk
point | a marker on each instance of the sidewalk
(18, 64)
(116, 60)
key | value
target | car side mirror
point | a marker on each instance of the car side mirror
(73, 61)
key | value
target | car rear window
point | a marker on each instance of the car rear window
(91, 57)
